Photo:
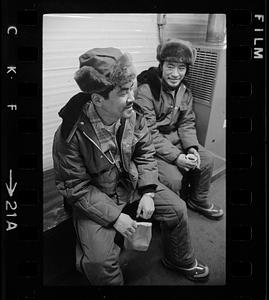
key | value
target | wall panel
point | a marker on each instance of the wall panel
(67, 36)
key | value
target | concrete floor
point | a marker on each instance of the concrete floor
(208, 241)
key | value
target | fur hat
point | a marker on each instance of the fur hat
(101, 68)
(176, 51)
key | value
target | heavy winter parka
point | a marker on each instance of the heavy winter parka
(86, 176)
(170, 120)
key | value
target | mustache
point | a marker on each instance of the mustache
(129, 104)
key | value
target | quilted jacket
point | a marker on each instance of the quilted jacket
(170, 118)
(86, 176)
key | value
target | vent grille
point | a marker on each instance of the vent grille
(202, 75)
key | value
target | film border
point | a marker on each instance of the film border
(22, 154)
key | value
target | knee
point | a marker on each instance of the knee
(207, 160)
(178, 214)
(170, 208)
(181, 210)
(173, 183)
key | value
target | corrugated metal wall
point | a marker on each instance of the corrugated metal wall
(190, 27)
(67, 36)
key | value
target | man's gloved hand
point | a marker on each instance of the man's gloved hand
(146, 206)
(183, 163)
(195, 152)
(125, 225)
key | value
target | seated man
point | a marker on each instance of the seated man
(167, 104)
(104, 163)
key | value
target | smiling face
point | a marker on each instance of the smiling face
(173, 73)
(119, 103)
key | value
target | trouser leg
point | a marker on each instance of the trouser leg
(200, 180)
(171, 211)
(169, 175)
(97, 254)
(174, 179)
(194, 184)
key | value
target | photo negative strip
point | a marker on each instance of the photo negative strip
(204, 95)
(132, 153)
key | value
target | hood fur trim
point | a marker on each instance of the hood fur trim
(176, 50)
(90, 80)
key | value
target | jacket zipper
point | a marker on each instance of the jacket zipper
(121, 150)
(111, 162)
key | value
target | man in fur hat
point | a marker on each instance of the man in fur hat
(105, 169)
(184, 165)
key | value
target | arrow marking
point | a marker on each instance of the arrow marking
(9, 187)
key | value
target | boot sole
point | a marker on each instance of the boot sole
(204, 213)
(185, 273)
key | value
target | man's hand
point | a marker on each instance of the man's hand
(125, 225)
(183, 163)
(195, 152)
(146, 206)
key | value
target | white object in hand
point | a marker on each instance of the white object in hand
(191, 157)
(140, 239)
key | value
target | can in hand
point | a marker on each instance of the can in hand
(191, 157)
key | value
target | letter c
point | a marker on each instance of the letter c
(12, 28)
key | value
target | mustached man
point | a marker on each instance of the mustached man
(105, 168)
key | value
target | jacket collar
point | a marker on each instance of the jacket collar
(70, 113)
(84, 125)
(152, 77)
(74, 118)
